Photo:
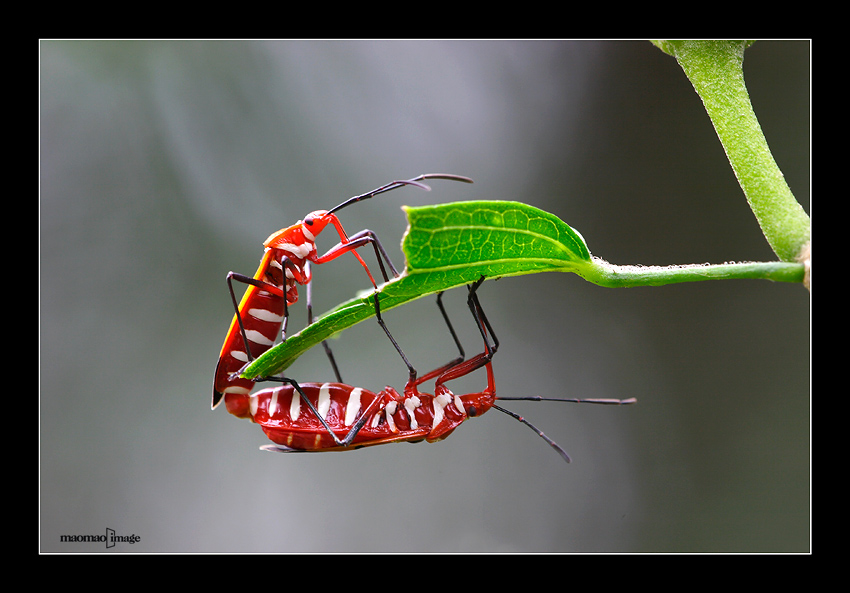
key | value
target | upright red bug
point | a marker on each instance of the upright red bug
(342, 417)
(264, 308)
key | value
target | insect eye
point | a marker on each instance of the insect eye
(471, 411)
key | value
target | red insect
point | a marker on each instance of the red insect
(335, 417)
(264, 308)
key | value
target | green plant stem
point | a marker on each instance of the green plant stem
(613, 276)
(715, 68)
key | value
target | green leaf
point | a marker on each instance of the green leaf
(465, 240)
(449, 245)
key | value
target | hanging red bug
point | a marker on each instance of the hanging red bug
(341, 417)
(264, 308)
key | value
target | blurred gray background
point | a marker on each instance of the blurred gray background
(165, 164)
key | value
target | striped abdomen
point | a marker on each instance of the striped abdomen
(393, 417)
(262, 314)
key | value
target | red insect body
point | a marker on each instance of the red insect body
(390, 416)
(285, 264)
(263, 313)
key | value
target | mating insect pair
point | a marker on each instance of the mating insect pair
(340, 416)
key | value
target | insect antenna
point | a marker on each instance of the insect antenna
(396, 184)
(538, 398)
(574, 400)
(539, 432)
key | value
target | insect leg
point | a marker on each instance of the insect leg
(355, 429)
(251, 282)
(481, 319)
(461, 355)
(412, 371)
(355, 242)
(310, 405)
(476, 362)
(311, 319)
(267, 279)
(367, 236)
